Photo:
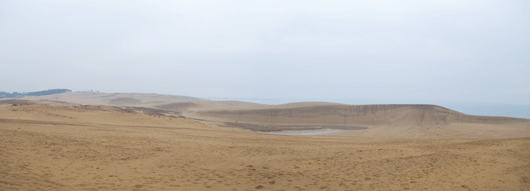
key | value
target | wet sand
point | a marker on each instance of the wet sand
(343, 127)
(305, 132)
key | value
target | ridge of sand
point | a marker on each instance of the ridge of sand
(358, 114)
(391, 121)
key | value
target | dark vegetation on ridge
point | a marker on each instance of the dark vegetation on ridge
(38, 93)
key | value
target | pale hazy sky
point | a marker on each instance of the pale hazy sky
(387, 51)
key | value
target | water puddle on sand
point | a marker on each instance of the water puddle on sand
(304, 132)
(335, 127)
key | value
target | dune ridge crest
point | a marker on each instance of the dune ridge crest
(397, 114)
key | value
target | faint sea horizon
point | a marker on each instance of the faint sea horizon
(483, 109)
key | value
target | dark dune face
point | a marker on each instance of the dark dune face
(124, 101)
(356, 115)
(177, 106)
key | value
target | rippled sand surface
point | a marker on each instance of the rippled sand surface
(54, 147)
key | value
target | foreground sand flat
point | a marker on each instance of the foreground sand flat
(53, 147)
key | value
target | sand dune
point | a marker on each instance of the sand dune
(359, 114)
(392, 121)
(98, 147)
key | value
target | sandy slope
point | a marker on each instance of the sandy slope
(137, 100)
(392, 121)
(83, 141)
(183, 105)
(54, 147)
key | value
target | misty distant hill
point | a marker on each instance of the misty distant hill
(44, 92)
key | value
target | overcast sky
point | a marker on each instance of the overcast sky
(384, 51)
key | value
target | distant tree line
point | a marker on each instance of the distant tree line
(44, 92)
(88, 91)
(60, 91)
